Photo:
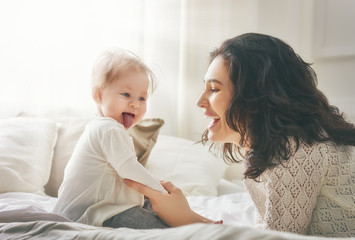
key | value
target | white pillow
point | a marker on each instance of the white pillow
(235, 172)
(188, 165)
(26, 151)
(69, 132)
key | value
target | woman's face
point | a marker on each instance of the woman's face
(215, 100)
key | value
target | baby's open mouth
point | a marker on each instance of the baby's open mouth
(127, 119)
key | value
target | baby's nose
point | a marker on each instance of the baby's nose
(134, 103)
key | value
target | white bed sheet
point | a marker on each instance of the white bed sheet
(26, 215)
(25, 207)
(234, 207)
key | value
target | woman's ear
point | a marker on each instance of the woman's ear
(96, 95)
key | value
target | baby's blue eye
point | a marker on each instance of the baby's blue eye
(125, 94)
(142, 99)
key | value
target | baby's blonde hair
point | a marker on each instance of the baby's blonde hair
(113, 62)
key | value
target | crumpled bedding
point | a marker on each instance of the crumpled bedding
(29, 216)
(71, 230)
(26, 207)
(234, 209)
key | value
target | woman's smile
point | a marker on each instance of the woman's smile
(214, 120)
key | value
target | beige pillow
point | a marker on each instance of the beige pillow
(70, 129)
(144, 136)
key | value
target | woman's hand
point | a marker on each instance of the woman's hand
(171, 207)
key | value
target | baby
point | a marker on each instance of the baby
(92, 191)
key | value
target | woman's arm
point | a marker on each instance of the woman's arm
(171, 207)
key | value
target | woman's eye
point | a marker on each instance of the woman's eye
(214, 90)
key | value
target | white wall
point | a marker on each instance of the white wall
(334, 52)
(322, 32)
(174, 37)
(47, 49)
(178, 43)
(296, 22)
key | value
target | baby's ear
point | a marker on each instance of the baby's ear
(96, 95)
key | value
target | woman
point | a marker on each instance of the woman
(262, 99)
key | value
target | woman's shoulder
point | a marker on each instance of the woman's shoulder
(319, 155)
(322, 149)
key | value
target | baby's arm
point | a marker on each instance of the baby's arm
(119, 151)
(132, 169)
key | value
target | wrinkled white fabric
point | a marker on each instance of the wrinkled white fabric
(92, 190)
(313, 192)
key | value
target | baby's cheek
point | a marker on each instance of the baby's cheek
(139, 117)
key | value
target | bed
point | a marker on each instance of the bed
(35, 149)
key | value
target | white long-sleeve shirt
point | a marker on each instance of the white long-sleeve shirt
(92, 190)
(313, 193)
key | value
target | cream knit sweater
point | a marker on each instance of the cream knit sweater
(312, 193)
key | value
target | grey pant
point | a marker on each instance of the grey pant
(137, 218)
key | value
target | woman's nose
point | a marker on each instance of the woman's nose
(202, 101)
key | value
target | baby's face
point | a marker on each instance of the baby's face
(125, 98)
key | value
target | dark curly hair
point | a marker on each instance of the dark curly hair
(275, 100)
